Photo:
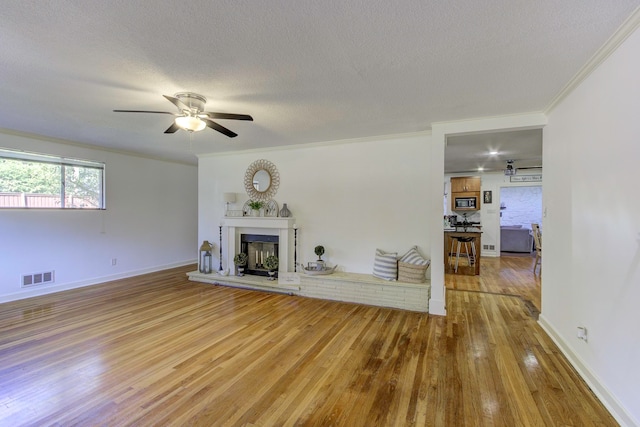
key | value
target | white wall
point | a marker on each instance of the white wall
(149, 224)
(350, 197)
(523, 205)
(591, 260)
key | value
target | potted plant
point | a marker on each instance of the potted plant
(319, 250)
(271, 263)
(240, 260)
(255, 206)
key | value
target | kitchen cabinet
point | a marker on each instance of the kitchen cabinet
(462, 184)
(467, 190)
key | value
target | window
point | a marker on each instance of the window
(29, 180)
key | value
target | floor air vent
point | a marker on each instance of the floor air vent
(36, 279)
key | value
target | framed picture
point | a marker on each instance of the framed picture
(526, 178)
(488, 198)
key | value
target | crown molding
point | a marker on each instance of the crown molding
(38, 137)
(628, 27)
(520, 121)
(426, 133)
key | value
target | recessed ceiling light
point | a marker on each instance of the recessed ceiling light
(493, 153)
(480, 169)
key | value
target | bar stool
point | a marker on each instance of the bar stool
(471, 255)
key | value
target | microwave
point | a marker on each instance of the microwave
(462, 203)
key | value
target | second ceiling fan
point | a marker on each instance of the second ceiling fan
(191, 115)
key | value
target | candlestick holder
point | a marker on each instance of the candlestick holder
(295, 248)
(220, 269)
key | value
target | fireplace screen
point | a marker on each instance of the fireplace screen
(258, 247)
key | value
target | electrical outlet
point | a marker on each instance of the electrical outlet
(114, 261)
(582, 333)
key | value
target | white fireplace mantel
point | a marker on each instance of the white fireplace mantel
(258, 222)
(273, 226)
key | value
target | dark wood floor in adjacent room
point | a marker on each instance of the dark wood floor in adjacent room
(159, 350)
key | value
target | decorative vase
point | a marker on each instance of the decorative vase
(285, 212)
(272, 275)
(240, 271)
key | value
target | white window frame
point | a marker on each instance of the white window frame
(62, 162)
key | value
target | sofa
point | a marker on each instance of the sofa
(515, 238)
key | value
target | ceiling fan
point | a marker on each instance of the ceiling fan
(511, 170)
(191, 115)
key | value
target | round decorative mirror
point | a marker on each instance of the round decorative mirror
(261, 180)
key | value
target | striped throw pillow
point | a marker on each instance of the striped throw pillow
(414, 257)
(385, 265)
(412, 267)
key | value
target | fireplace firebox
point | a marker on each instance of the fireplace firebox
(258, 247)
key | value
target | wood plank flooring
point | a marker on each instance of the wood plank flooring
(159, 350)
(506, 275)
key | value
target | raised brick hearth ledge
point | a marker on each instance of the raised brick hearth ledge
(339, 286)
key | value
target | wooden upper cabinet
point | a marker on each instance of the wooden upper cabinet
(463, 184)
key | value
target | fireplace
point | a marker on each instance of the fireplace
(277, 230)
(258, 247)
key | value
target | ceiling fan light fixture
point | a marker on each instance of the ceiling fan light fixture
(191, 115)
(190, 123)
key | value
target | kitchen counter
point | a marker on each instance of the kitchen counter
(477, 229)
(463, 267)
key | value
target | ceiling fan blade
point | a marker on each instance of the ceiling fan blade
(173, 128)
(177, 103)
(228, 116)
(221, 129)
(138, 111)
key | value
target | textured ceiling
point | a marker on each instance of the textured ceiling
(307, 71)
(491, 151)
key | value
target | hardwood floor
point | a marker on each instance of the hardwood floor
(506, 275)
(159, 350)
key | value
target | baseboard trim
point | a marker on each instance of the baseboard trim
(437, 307)
(617, 410)
(90, 282)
